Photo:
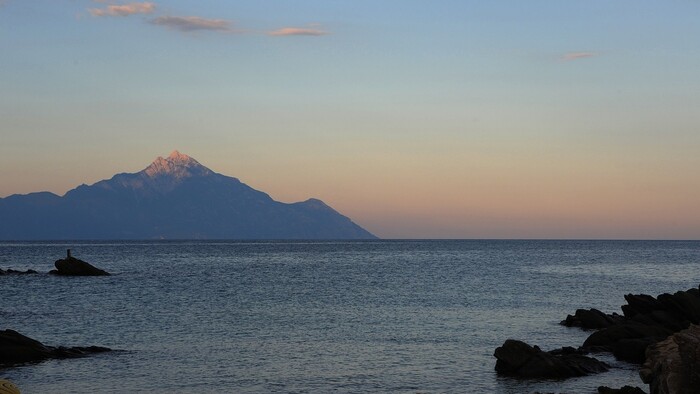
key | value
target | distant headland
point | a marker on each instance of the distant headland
(173, 198)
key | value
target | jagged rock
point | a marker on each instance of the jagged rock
(627, 341)
(70, 266)
(673, 311)
(590, 319)
(517, 358)
(623, 390)
(10, 271)
(673, 365)
(16, 348)
(646, 321)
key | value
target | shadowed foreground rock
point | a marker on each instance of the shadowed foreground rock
(673, 365)
(7, 387)
(517, 358)
(16, 348)
(70, 266)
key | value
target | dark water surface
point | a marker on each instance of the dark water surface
(379, 316)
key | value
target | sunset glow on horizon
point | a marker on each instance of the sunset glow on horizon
(459, 120)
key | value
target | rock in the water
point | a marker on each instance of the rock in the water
(16, 348)
(646, 321)
(673, 365)
(517, 358)
(623, 390)
(590, 319)
(10, 271)
(70, 266)
(627, 341)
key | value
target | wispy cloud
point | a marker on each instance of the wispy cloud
(124, 9)
(192, 23)
(567, 57)
(297, 31)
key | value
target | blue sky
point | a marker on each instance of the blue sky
(415, 118)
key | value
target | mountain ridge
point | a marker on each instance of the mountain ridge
(173, 198)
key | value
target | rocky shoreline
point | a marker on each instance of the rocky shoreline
(660, 332)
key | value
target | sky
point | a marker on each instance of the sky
(417, 119)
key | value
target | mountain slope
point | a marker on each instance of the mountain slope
(173, 198)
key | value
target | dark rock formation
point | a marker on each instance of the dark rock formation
(10, 271)
(623, 390)
(627, 341)
(646, 320)
(70, 266)
(16, 348)
(591, 319)
(673, 365)
(648, 330)
(516, 358)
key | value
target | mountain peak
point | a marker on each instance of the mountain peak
(174, 198)
(177, 165)
(177, 156)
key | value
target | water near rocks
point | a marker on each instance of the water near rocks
(377, 316)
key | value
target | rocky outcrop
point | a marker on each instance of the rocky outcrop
(647, 320)
(517, 358)
(591, 319)
(16, 348)
(654, 329)
(626, 341)
(10, 271)
(673, 365)
(70, 266)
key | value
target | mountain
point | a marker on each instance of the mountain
(173, 198)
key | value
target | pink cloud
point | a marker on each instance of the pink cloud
(124, 9)
(192, 23)
(297, 31)
(567, 57)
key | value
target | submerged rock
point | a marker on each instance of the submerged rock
(70, 266)
(517, 358)
(10, 271)
(673, 365)
(16, 348)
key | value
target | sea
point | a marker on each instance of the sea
(322, 316)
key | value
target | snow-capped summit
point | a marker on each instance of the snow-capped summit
(178, 157)
(177, 165)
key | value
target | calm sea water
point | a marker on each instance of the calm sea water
(380, 316)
